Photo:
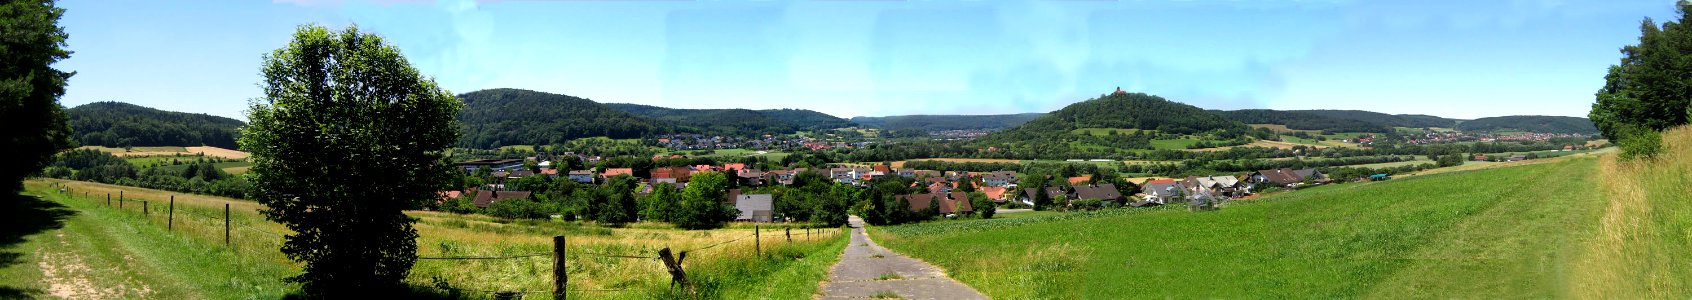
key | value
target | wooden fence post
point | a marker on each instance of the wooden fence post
(559, 278)
(757, 242)
(674, 264)
(120, 198)
(170, 222)
(226, 224)
(108, 199)
(789, 232)
(145, 208)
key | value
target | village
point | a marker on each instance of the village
(945, 192)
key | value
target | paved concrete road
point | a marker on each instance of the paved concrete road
(867, 270)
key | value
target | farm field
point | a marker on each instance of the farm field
(170, 151)
(1530, 231)
(161, 264)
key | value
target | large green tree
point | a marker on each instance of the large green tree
(703, 205)
(34, 124)
(1651, 88)
(346, 137)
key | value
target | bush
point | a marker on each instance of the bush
(1639, 142)
(517, 209)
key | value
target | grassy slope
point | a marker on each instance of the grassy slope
(107, 252)
(1509, 232)
(1640, 251)
(186, 264)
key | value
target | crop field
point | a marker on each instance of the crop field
(722, 263)
(1520, 232)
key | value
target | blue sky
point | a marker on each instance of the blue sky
(1461, 59)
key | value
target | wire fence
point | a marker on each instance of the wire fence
(560, 279)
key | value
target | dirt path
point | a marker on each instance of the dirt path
(867, 270)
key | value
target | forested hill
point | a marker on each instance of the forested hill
(736, 122)
(499, 117)
(930, 123)
(1540, 124)
(117, 124)
(1302, 120)
(1118, 111)
(808, 120)
(1413, 121)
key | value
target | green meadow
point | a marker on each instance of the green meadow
(1521, 232)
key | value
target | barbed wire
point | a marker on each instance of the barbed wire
(720, 244)
(591, 254)
(488, 257)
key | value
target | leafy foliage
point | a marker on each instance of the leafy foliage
(1646, 92)
(930, 123)
(117, 124)
(702, 202)
(348, 136)
(500, 117)
(34, 124)
(1540, 124)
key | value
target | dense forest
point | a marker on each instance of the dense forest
(117, 124)
(1301, 120)
(1413, 121)
(499, 117)
(736, 122)
(931, 123)
(808, 120)
(1541, 124)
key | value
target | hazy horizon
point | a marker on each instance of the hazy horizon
(1451, 59)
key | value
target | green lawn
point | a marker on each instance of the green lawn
(1174, 144)
(1498, 233)
(221, 165)
(78, 248)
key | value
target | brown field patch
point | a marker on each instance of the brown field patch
(219, 152)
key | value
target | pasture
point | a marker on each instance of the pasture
(1507, 232)
(191, 261)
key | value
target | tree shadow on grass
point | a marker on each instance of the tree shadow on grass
(22, 216)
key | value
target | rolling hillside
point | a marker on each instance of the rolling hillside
(736, 122)
(1368, 240)
(1127, 112)
(119, 125)
(808, 120)
(931, 123)
(1414, 121)
(1302, 120)
(499, 117)
(1542, 124)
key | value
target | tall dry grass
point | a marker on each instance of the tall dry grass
(590, 270)
(1642, 247)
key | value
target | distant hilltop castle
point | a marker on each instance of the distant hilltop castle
(1119, 91)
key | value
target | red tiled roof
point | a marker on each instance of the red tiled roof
(618, 171)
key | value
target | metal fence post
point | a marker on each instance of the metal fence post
(757, 242)
(170, 222)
